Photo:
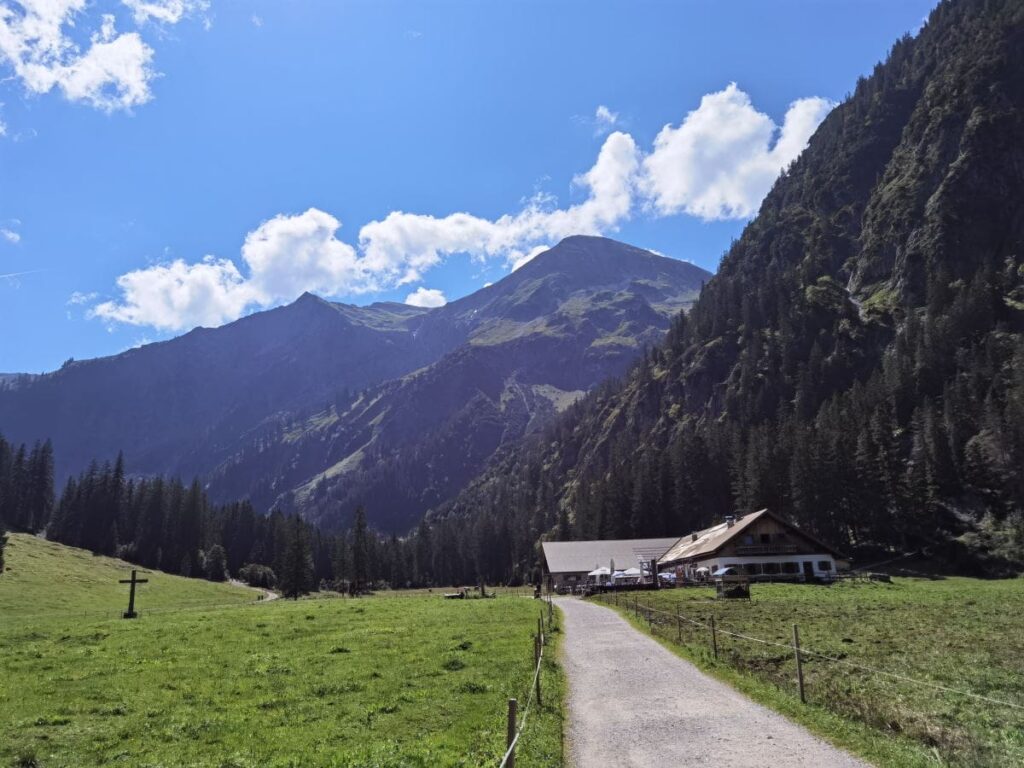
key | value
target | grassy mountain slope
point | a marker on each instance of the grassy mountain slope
(856, 362)
(179, 406)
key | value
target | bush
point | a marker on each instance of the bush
(258, 576)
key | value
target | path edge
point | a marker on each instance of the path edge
(858, 739)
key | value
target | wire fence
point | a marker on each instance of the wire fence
(516, 719)
(800, 652)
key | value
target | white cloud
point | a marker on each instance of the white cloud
(112, 72)
(257, 21)
(718, 163)
(10, 235)
(164, 11)
(401, 247)
(426, 297)
(284, 257)
(723, 158)
(78, 298)
(604, 118)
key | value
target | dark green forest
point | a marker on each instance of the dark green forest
(167, 525)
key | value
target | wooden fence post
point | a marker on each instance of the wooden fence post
(679, 629)
(799, 664)
(539, 703)
(511, 733)
(714, 639)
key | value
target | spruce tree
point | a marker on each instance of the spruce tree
(296, 575)
(360, 552)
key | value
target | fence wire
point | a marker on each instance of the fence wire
(639, 608)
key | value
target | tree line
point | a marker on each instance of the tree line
(165, 524)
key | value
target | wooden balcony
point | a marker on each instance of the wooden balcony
(767, 549)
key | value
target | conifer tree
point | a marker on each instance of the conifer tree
(296, 575)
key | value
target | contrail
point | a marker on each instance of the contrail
(19, 274)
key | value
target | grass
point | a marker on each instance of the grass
(419, 681)
(960, 633)
(45, 580)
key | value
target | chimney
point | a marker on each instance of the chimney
(730, 521)
(693, 537)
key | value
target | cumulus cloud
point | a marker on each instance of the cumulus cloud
(720, 162)
(113, 71)
(426, 297)
(282, 258)
(10, 235)
(402, 246)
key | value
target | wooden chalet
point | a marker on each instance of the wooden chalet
(762, 546)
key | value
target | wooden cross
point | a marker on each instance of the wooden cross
(130, 613)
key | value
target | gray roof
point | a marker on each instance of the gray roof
(585, 556)
(710, 540)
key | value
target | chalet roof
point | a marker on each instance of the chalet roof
(710, 540)
(585, 556)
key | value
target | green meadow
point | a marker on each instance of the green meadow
(209, 677)
(963, 634)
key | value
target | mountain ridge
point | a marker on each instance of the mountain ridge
(191, 405)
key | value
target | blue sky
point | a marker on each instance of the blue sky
(171, 162)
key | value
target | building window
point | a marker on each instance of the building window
(752, 569)
(790, 568)
(780, 536)
(824, 565)
(748, 539)
(770, 569)
(766, 538)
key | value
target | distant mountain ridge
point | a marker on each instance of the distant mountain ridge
(281, 406)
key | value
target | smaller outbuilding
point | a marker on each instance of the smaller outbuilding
(568, 564)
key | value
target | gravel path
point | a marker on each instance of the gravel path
(633, 702)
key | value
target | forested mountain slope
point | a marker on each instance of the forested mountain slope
(857, 363)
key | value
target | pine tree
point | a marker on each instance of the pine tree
(360, 552)
(3, 544)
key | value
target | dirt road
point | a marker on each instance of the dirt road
(634, 703)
